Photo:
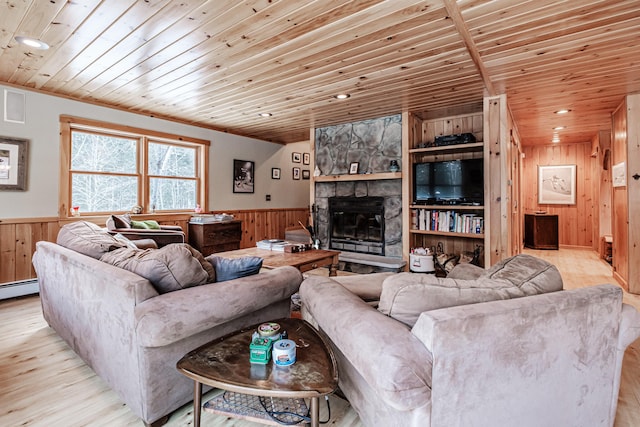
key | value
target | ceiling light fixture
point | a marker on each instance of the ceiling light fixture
(265, 114)
(31, 42)
(342, 96)
(559, 127)
(563, 111)
(555, 139)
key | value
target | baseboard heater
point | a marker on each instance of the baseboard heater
(18, 289)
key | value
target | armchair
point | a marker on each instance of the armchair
(166, 234)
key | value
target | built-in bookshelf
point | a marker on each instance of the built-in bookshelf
(455, 228)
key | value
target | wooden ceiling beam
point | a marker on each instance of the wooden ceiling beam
(456, 16)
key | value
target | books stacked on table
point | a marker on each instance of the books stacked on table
(282, 245)
(272, 244)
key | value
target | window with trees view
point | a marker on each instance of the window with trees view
(113, 169)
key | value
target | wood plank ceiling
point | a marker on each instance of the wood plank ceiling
(220, 63)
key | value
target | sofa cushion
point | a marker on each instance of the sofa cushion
(233, 268)
(531, 274)
(406, 295)
(206, 265)
(170, 268)
(88, 239)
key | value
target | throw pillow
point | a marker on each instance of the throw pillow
(88, 239)
(405, 295)
(170, 268)
(147, 225)
(211, 272)
(233, 268)
(121, 221)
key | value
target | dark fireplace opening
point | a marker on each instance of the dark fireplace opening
(356, 224)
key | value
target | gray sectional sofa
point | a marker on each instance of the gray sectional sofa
(132, 336)
(501, 347)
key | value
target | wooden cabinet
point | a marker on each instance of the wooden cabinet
(215, 237)
(541, 231)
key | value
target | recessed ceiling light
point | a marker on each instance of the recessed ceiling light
(559, 127)
(265, 114)
(342, 96)
(31, 42)
(555, 139)
(563, 111)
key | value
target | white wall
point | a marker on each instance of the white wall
(42, 129)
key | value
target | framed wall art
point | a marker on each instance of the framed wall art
(296, 157)
(296, 173)
(306, 158)
(14, 161)
(243, 176)
(306, 174)
(619, 175)
(275, 173)
(557, 185)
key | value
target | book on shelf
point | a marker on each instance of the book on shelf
(447, 221)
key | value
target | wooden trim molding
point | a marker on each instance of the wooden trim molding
(91, 124)
(143, 138)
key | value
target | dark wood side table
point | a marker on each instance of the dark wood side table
(224, 363)
(541, 231)
(215, 236)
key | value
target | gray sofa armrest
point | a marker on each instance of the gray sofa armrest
(547, 359)
(173, 316)
(384, 352)
(629, 326)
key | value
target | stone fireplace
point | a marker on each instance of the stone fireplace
(370, 223)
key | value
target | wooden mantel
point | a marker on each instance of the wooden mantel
(358, 177)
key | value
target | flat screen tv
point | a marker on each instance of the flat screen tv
(449, 182)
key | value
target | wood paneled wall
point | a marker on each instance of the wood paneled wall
(575, 222)
(18, 237)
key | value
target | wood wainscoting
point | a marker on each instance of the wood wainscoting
(18, 237)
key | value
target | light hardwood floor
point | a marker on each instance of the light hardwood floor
(43, 383)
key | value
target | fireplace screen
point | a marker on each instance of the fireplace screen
(357, 224)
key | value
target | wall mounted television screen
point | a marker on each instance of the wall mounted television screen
(449, 182)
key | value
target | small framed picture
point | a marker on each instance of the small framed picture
(306, 158)
(306, 174)
(295, 157)
(275, 173)
(296, 173)
(353, 168)
(243, 176)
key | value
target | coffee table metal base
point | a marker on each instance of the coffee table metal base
(274, 411)
(314, 408)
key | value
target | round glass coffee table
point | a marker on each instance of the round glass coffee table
(224, 363)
